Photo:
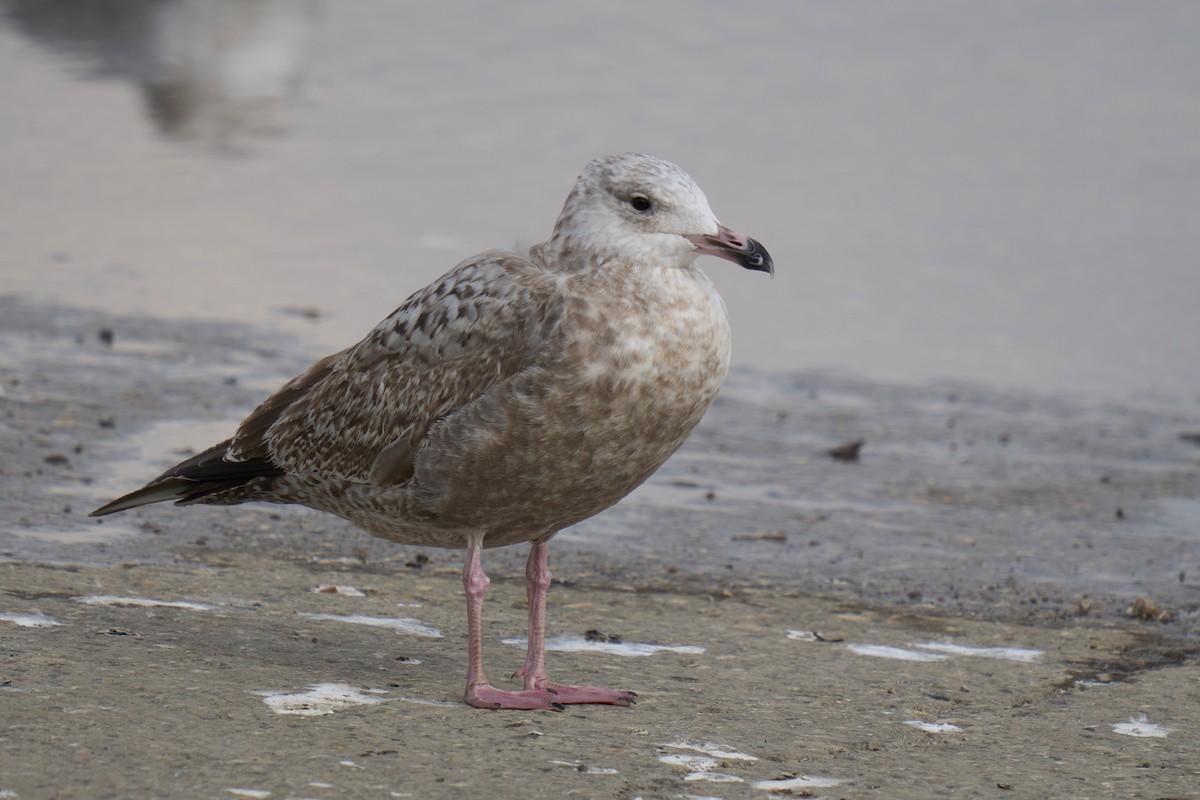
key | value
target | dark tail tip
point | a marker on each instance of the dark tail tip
(157, 492)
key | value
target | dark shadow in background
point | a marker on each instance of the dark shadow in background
(219, 73)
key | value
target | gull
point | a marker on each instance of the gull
(516, 395)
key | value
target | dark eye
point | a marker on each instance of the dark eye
(639, 202)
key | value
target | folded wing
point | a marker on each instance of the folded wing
(362, 414)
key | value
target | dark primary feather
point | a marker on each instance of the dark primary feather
(201, 475)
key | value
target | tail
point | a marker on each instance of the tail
(190, 481)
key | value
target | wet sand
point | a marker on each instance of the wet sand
(169, 702)
(972, 608)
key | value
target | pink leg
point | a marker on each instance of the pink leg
(537, 581)
(479, 692)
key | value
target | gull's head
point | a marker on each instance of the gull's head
(641, 209)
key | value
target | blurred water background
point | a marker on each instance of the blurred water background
(998, 192)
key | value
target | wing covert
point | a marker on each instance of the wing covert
(363, 413)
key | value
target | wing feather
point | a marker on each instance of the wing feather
(363, 413)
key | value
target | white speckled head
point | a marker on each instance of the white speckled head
(639, 209)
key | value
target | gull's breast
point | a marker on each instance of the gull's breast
(633, 370)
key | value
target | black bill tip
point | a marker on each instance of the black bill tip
(756, 257)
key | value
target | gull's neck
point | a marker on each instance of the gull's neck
(571, 253)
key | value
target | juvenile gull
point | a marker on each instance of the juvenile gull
(516, 395)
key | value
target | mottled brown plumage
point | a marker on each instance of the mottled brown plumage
(516, 395)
